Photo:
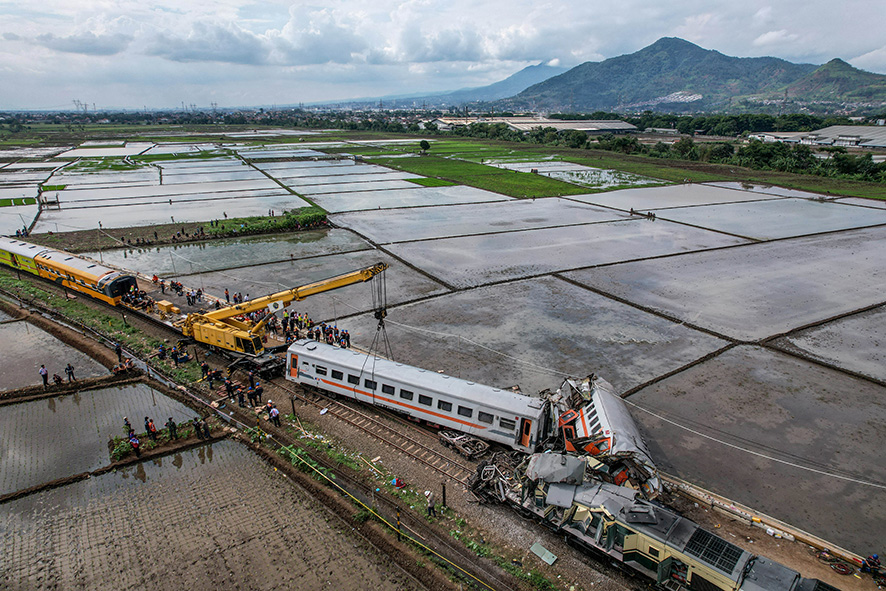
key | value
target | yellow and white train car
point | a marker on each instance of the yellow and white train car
(76, 273)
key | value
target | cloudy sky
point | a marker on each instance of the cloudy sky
(161, 53)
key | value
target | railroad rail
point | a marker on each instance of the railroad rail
(412, 447)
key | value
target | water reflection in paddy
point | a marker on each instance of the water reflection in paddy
(232, 252)
(33, 347)
(44, 440)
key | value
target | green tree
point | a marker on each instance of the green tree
(576, 139)
(424, 145)
(685, 148)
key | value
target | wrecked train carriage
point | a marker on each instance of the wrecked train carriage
(651, 540)
(593, 420)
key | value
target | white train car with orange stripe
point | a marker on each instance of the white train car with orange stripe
(518, 421)
(584, 417)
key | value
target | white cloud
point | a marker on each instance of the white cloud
(283, 51)
(873, 61)
(763, 16)
(209, 42)
(779, 37)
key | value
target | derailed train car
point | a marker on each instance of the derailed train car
(494, 414)
(672, 551)
(78, 274)
(584, 416)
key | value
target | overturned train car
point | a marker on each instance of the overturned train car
(584, 417)
(672, 551)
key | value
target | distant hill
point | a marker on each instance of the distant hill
(510, 86)
(675, 75)
(838, 81)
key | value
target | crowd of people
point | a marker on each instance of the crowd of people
(201, 430)
(56, 379)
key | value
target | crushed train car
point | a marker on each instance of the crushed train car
(592, 419)
(673, 551)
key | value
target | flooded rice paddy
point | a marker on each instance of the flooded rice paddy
(44, 440)
(129, 149)
(782, 218)
(15, 217)
(161, 212)
(192, 521)
(34, 347)
(875, 203)
(768, 190)
(856, 343)
(382, 186)
(477, 260)
(653, 198)
(578, 174)
(231, 253)
(756, 291)
(789, 412)
(401, 225)
(410, 197)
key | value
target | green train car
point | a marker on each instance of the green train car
(674, 552)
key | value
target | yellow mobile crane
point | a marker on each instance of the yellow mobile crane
(222, 330)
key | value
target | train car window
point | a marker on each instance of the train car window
(465, 411)
(405, 394)
(426, 400)
(321, 371)
(443, 405)
(485, 417)
(507, 424)
(653, 552)
(353, 379)
(387, 389)
(369, 384)
(337, 375)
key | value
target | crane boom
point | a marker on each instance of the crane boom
(297, 293)
(220, 328)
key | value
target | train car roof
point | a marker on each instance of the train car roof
(433, 381)
(765, 574)
(75, 262)
(20, 248)
(665, 526)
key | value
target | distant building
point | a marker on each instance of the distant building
(662, 131)
(850, 136)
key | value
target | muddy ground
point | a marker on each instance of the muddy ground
(195, 521)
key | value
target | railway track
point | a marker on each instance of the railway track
(405, 443)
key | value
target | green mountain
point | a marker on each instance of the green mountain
(676, 75)
(839, 82)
